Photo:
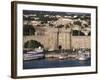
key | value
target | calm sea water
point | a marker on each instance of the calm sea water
(47, 63)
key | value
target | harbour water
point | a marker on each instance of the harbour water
(54, 63)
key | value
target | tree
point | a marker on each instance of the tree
(89, 34)
(32, 44)
(28, 30)
(77, 23)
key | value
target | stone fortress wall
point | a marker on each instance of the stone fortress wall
(66, 39)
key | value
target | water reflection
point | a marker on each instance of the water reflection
(54, 63)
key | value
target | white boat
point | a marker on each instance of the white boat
(82, 57)
(31, 52)
(61, 57)
(33, 55)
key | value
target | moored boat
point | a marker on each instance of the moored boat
(84, 55)
(37, 54)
